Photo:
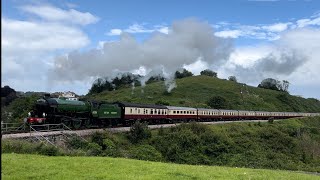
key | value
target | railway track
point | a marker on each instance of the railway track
(87, 132)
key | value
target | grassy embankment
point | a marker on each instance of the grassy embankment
(195, 92)
(18, 166)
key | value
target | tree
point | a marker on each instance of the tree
(123, 80)
(7, 95)
(183, 74)
(217, 102)
(155, 79)
(274, 84)
(270, 83)
(232, 78)
(19, 108)
(208, 72)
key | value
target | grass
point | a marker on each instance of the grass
(195, 91)
(18, 166)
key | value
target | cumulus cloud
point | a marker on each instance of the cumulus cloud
(40, 36)
(278, 27)
(51, 13)
(28, 46)
(229, 33)
(294, 57)
(139, 28)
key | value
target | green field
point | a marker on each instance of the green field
(195, 91)
(18, 166)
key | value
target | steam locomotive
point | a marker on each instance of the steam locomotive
(84, 114)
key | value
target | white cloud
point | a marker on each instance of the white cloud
(229, 33)
(269, 32)
(51, 13)
(38, 36)
(114, 32)
(294, 57)
(278, 27)
(139, 28)
(308, 22)
(164, 30)
(28, 46)
(197, 66)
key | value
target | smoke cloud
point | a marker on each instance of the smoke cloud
(186, 41)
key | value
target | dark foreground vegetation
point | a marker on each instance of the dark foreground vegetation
(292, 144)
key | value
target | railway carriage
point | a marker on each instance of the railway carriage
(262, 115)
(144, 112)
(208, 114)
(181, 113)
(247, 114)
(278, 115)
(292, 114)
(229, 114)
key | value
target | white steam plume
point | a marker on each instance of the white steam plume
(186, 41)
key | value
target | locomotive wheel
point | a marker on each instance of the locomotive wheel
(76, 123)
(87, 123)
(67, 122)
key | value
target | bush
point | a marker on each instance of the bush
(162, 102)
(49, 150)
(146, 152)
(25, 147)
(217, 102)
(77, 143)
(18, 146)
(94, 149)
(232, 78)
(208, 72)
(139, 132)
(183, 74)
(161, 131)
(97, 138)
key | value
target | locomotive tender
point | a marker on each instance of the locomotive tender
(84, 114)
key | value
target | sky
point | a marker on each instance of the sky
(65, 45)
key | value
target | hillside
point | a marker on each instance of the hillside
(18, 166)
(195, 91)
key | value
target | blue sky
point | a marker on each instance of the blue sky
(257, 31)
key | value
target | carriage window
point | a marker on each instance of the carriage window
(174, 112)
(151, 112)
(130, 110)
(138, 111)
(159, 111)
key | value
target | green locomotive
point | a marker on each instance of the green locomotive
(74, 113)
